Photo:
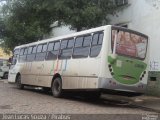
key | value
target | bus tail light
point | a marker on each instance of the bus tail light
(143, 75)
(110, 69)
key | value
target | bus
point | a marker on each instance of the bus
(107, 59)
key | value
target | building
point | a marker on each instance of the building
(142, 16)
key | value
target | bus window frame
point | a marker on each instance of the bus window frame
(67, 47)
(32, 53)
(131, 32)
(52, 49)
(83, 36)
(44, 52)
(99, 32)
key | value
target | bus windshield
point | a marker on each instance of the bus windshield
(15, 56)
(129, 43)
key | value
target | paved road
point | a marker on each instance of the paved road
(31, 101)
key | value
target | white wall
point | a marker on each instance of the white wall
(63, 30)
(144, 16)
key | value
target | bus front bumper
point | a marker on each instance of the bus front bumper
(11, 78)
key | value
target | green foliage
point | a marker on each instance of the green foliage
(84, 14)
(27, 21)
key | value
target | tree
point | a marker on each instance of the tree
(84, 14)
(27, 21)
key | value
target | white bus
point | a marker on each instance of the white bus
(104, 59)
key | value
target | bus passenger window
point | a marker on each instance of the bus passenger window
(82, 46)
(30, 50)
(25, 51)
(96, 44)
(95, 39)
(53, 50)
(39, 48)
(22, 51)
(31, 54)
(41, 52)
(50, 46)
(34, 49)
(79, 41)
(56, 46)
(66, 49)
(70, 43)
(44, 48)
(64, 44)
(87, 41)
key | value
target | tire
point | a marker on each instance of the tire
(5, 76)
(57, 87)
(18, 82)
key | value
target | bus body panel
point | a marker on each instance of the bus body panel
(84, 73)
(81, 73)
(135, 67)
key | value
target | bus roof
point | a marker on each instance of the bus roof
(65, 36)
(76, 34)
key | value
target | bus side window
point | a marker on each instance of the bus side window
(96, 44)
(41, 52)
(66, 48)
(31, 53)
(53, 50)
(30, 50)
(82, 46)
(23, 53)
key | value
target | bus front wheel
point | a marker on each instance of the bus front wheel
(18, 82)
(57, 87)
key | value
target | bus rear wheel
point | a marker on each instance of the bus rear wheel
(18, 82)
(57, 87)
